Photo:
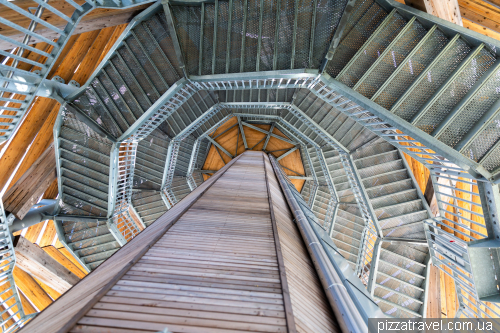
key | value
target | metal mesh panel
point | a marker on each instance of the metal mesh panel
(357, 13)
(415, 231)
(393, 58)
(110, 106)
(160, 60)
(208, 38)
(394, 283)
(372, 51)
(381, 168)
(409, 216)
(432, 81)
(469, 115)
(105, 119)
(139, 75)
(158, 27)
(82, 207)
(393, 199)
(146, 63)
(357, 36)
(492, 162)
(455, 92)
(252, 35)
(236, 36)
(375, 159)
(389, 188)
(397, 297)
(303, 35)
(221, 48)
(122, 72)
(404, 256)
(412, 67)
(285, 34)
(385, 178)
(403, 208)
(188, 21)
(328, 14)
(268, 35)
(484, 142)
(118, 100)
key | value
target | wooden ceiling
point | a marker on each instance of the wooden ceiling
(216, 159)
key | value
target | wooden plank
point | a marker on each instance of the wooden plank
(75, 56)
(31, 289)
(43, 140)
(71, 258)
(39, 111)
(434, 293)
(27, 190)
(35, 261)
(48, 235)
(480, 28)
(88, 64)
(28, 307)
(447, 10)
(33, 232)
(114, 37)
(95, 20)
(482, 13)
(290, 319)
(63, 260)
(50, 291)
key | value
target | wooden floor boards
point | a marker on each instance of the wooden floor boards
(210, 264)
(215, 270)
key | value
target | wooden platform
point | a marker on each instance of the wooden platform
(216, 269)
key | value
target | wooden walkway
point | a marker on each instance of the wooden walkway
(217, 269)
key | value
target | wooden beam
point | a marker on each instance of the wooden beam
(95, 52)
(448, 10)
(71, 258)
(48, 235)
(27, 131)
(52, 293)
(43, 140)
(38, 263)
(116, 34)
(31, 289)
(481, 13)
(27, 190)
(95, 20)
(28, 307)
(434, 299)
(481, 29)
(52, 191)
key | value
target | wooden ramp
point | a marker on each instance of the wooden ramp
(228, 258)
